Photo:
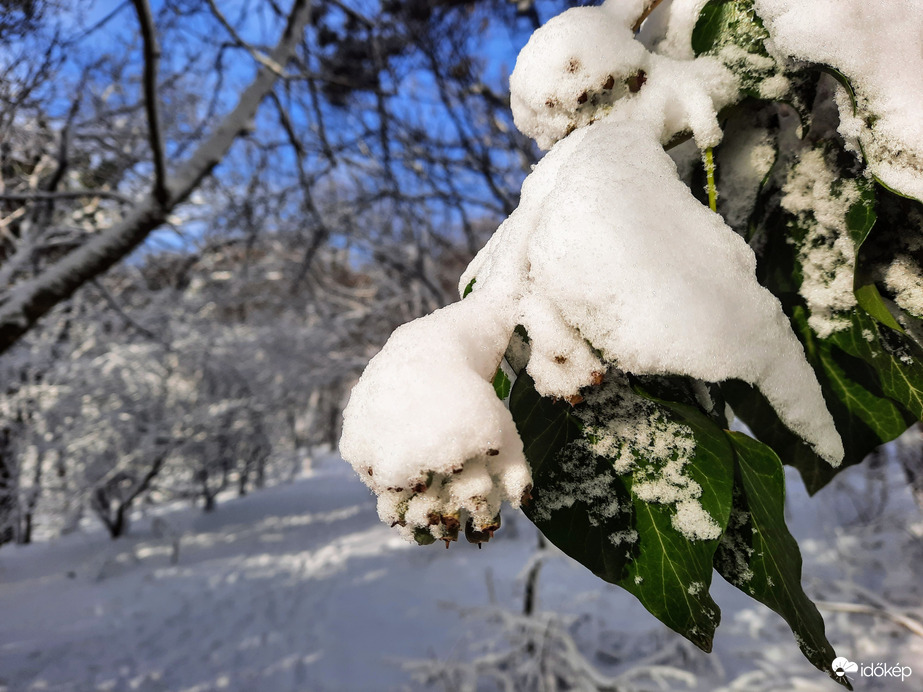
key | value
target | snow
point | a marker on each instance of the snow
(821, 199)
(878, 46)
(299, 587)
(424, 428)
(905, 280)
(657, 284)
(586, 64)
(903, 276)
(677, 42)
(608, 260)
(589, 55)
(623, 427)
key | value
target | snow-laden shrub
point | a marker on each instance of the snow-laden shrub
(623, 322)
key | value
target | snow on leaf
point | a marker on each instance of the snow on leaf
(821, 201)
(881, 59)
(657, 284)
(609, 260)
(589, 463)
(732, 31)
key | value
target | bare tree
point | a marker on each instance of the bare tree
(27, 302)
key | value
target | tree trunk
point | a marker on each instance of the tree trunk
(119, 527)
(261, 472)
(7, 507)
(242, 480)
(25, 536)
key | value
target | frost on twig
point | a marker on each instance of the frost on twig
(541, 652)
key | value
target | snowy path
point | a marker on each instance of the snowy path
(299, 587)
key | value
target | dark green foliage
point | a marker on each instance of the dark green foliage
(758, 555)
(621, 538)
(869, 366)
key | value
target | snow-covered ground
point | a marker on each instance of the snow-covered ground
(299, 587)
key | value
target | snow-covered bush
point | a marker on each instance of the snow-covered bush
(727, 223)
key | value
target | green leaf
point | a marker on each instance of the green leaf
(863, 413)
(754, 410)
(896, 359)
(671, 574)
(758, 555)
(858, 395)
(861, 215)
(870, 300)
(711, 25)
(868, 120)
(712, 466)
(860, 218)
(595, 515)
(748, 131)
(469, 288)
(866, 389)
(502, 384)
(844, 82)
(724, 23)
(547, 427)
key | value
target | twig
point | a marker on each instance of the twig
(914, 626)
(99, 25)
(63, 194)
(114, 305)
(151, 64)
(650, 7)
(710, 176)
(257, 55)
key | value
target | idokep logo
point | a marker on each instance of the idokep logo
(842, 665)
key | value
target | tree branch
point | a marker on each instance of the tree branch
(151, 64)
(25, 305)
(63, 194)
(255, 53)
(649, 7)
(114, 304)
(908, 623)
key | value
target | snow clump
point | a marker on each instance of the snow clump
(815, 193)
(586, 64)
(425, 430)
(572, 70)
